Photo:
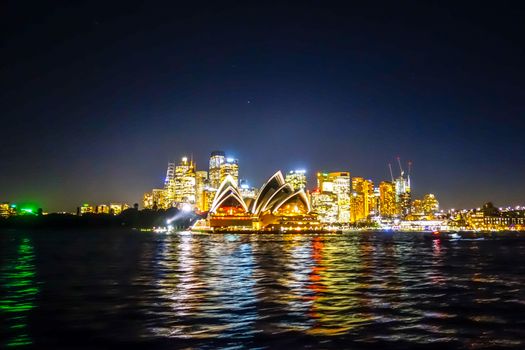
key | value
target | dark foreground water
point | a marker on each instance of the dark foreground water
(113, 289)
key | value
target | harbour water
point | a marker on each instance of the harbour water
(128, 289)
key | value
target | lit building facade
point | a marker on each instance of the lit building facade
(103, 209)
(201, 183)
(361, 199)
(147, 200)
(430, 204)
(374, 203)
(87, 209)
(247, 191)
(324, 204)
(230, 167)
(403, 196)
(156, 199)
(7, 209)
(387, 200)
(185, 182)
(117, 208)
(160, 199)
(217, 158)
(324, 184)
(490, 218)
(336, 187)
(207, 198)
(112, 208)
(342, 189)
(169, 185)
(296, 178)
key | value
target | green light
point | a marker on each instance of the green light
(17, 277)
(27, 210)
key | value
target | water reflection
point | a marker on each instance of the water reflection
(243, 288)
(383, 290)
(18, 291)
(206, 300)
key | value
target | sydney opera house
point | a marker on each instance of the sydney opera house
(277, 207)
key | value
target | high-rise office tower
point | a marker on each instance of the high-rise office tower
(185, 182)
(360, 202)
(337, 183)
(201, 182)
(342, 188)
(374, 202)
(169, 185)
(296, 178)
(217, 158)
(230, 167)
(403, 196)
(324, 204)
(387, 199)
(324, 184)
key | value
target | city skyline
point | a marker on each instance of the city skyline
(91, 112)
(311, 178)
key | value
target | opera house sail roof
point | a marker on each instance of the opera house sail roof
(275, 204)
(228, 196)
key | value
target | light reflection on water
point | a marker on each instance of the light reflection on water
(18, 289)
(237, 291)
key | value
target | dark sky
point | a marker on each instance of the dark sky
(96, 98)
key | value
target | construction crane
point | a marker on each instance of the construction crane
(400, 168)
(391, 174)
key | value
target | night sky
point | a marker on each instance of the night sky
(97, 98)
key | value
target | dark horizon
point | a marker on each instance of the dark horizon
(98, 98)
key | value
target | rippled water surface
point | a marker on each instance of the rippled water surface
(108, 289)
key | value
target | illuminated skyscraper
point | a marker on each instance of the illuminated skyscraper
(296, 178)
(169, 185)
(387, 199)
(360, 201)
(230, 167)
(201, 182)
(217, 158)
(342, 189)
(338, 184)
(324, 204)
(403, 196)
(374, 202)
(185, 182)
(324, 183)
